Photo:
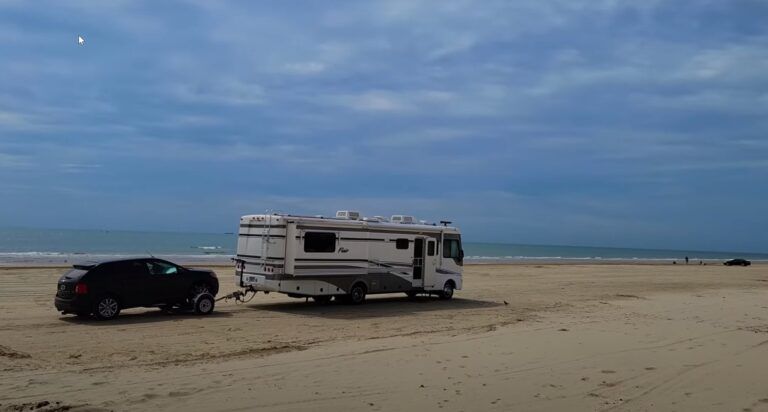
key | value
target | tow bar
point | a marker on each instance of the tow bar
(239, 296)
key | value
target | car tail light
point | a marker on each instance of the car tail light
(81, 289)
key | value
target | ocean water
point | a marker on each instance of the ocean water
(65, 245)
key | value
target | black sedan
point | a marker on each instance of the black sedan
(737, 262)
(104, 288)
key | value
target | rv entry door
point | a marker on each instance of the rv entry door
(418, 262)
(430, 264)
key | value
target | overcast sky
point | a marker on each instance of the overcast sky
(585, 122)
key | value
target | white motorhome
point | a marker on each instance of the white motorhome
(347, 256)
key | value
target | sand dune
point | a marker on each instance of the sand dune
(569, 337)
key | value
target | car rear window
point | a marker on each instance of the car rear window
(75, 273)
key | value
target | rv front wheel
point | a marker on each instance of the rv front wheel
(447, 291)
(357, 294)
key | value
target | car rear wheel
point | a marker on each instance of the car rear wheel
(196, 290)
(107, 307)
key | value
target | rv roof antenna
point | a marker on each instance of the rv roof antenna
(150, 254)
(445, 222)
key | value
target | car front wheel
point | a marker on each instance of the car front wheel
(107, 307)
(200, 288)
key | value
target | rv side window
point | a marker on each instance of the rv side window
(401, 243)
(451, 248)
(431, 248)
(319, 242)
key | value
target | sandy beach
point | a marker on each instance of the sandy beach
(518, 337)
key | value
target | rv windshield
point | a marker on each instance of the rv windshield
(452, 249)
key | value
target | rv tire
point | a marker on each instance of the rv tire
(357, 294)
(447, 291)
(411, 294)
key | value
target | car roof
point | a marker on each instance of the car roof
(90, 264)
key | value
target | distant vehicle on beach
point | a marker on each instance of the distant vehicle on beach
(737, 262)
(104, 288)
(348, 256)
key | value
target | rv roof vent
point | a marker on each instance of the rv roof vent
(402, 219)
(348, 214)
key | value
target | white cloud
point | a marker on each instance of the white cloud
(418, 137)
(304, 68)
(376, 101)
(15, 120)
(228, 91)
(12, 161)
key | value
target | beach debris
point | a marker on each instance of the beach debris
(625, 295)
(7, 352)
(506, 303)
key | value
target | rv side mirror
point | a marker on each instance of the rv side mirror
(461, 254)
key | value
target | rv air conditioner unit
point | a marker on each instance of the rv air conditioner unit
(402, 219)
(348, 214)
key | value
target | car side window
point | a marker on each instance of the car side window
(125, 268)
(161, 268)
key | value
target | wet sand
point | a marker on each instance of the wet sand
(519, 337)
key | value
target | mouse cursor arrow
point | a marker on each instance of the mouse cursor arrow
(80, 40)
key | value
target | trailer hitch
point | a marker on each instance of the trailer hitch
(239, 295)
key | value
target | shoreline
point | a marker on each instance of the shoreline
(499, 263)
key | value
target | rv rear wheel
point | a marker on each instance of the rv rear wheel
(357, 294)
(447, 291)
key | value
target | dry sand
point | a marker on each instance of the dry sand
(569, 337)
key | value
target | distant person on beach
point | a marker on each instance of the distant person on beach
(686, 260)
